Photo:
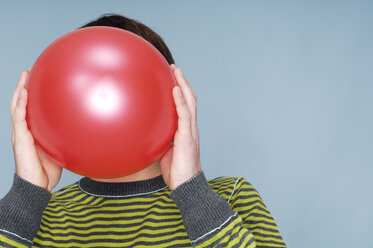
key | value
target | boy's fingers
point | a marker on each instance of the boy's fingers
(186, 89)
(190, 98)
(21, 83)
(184, 123)
(173, 66)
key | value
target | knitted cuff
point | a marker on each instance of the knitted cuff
(201, 207)
(22, 207)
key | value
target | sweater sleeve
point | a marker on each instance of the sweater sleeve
(21, 210)
(210, 221)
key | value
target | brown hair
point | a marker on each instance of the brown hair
(119, 21)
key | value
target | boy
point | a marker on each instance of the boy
(168, 204)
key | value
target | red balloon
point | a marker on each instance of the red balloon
(100, 102)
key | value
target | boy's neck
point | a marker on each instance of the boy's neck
(149, 172)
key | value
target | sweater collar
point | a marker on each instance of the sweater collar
(122, 189)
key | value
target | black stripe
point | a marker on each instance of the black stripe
(223, 191)
(266, 229)
(247, 190)
(118, 233)
(248, 210)
(253, 222)
(119, 204)
(270, 242)
(108, 225)
(149, 196)
(266, 235)
(124, 240)
(224, 184)
(119, 211)
(73, 204)
(109, 218)
(75, 194)
(260, 215)
(73, 185)
(249, 203)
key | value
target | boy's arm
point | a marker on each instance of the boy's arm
(210, 221)
(21, 210)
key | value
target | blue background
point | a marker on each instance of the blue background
(285, 97)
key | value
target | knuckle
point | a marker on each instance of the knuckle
(184, 107)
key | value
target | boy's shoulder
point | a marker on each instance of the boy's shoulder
(225, 186)
(223, 180)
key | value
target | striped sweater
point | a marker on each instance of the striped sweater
(220, 212)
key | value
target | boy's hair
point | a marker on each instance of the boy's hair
(119, 21)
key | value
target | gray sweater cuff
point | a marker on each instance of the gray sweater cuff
(22, 207)
(201, 207)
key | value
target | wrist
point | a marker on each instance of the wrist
(184, 179)
(202, 208)
(22, 207)
(33, 178)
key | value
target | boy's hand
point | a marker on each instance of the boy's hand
(182, 160)
(32, 162)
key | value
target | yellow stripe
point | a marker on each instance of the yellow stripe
(109, 227)
(71, 186)
(79, 205)
(266, 244)
(259, 219)
(98, 222)
(225, 184)
(222, 179)
(108, 244)
(12, 242)
(92, 211)
(67, 192)
(96, 212)
(261, 231)
(76, 196)
(260, 238)
(255, 226)
(253, 210)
